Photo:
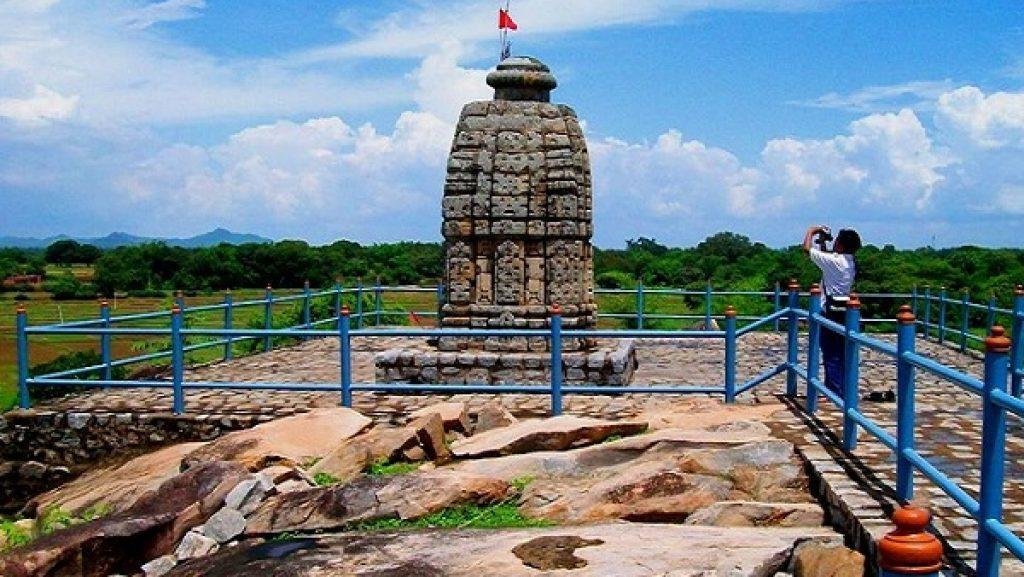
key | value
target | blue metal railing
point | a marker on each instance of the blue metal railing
(1001, 361)
(1002, 364)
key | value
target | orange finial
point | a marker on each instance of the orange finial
(104, 303)
(906, 315)
(344, 311)
(910, 549)
(794, 285)
(997, 342)
(1019, 290)
(854, 301)
(180, 293)
(815, 289)
(555, 309)
(175, 310)
(20, 310)
(269, 287)
(730, 311)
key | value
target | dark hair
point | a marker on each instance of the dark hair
(849, 239)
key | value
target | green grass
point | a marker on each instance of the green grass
(325, 479)
(498, 516)
(15, 537)
(385, 469)
(51, 520)
(521, 483)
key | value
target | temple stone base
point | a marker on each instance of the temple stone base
(610, 363)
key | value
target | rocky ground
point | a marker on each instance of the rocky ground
(453, 491)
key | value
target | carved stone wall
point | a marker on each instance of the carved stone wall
(518, 211)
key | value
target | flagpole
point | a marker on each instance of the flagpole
(506, 49)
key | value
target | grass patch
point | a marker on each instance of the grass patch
(51, 520)
(13, 536)
(325, 479)
(521, 483)
(385, 469)
(498, 516)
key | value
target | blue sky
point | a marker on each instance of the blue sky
(325, 120)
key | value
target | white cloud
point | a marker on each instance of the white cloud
(918, 95)
(886, 159)
(43, 106)
(442, 86)
(990, 121)
(411, 32)
(125, 73)
(166, 11)
(289, 173)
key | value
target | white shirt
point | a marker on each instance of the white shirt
(837, 271)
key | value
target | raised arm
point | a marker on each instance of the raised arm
(809, 236)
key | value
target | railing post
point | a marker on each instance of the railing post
(927, 311)
(993, 452)
(778, 304)
(792, 335)
(306, 317)
(337, 302)
(813, 348)
(556, 360)
(942, 315)
(345, 348)
(358, 302)
(229, 321)
(965, 313)
(913, 301)
(991, 312)
(179, 300)
(105, 354)
(268, 318)
(177, 361)
(905, 344)
(376, 303)
(851, 374)
(440, 302)
(22, 324)
(1017, 352)
(640, 305)
(730, 354)
(707, 306)
(910, 550)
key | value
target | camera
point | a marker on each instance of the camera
(824, 235)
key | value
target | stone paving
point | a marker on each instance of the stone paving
(948, 417)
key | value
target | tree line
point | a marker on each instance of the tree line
(726, 260)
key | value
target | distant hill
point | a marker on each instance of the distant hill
(116, 239)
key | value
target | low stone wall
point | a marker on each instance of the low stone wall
(41, 449)
(612, 364)
(22, 480)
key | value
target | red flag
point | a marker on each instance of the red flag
(505, 21)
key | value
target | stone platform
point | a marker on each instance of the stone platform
(609, 363)
(863, 480)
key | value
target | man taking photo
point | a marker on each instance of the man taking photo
(838, 272)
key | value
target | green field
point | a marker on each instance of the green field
(44, 310)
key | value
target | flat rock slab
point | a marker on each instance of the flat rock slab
(289, 441)
(121, 543)
(403, 497)
(116, 488)
(554, 434)
(620, 549)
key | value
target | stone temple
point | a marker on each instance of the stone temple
(517, 222)
(518, 212)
